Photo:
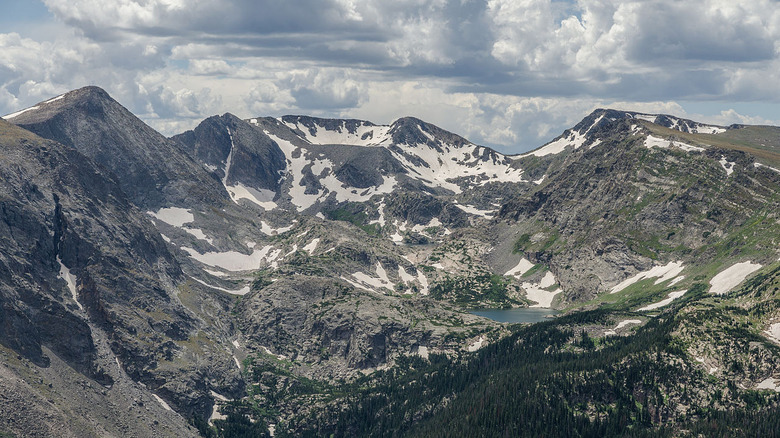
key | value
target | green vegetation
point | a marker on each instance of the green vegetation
(480, 290)
(557, 379)
(355, 214)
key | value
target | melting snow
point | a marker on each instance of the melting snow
(774, 332)
(330, 183)
(365, 134)
(707, 129)
(665, 302)
(262, 197)
(71, 280)
(422, 351)
(162, 402)
(233, 260)
(757, 165)
(382, 282)
(769, 383)
(620, 325)
(574, 139)
(175, 216)
(727, 165)
(197, 232)
(312, 246)
(278, 356)
(732, 277)
(668, 272)
(18, 113)
(243, 291)
(470, 209)
(270, 231)
(476, 345)
(536, 292)
(423, 282)
(648, 117)
(454, 162)
(657, 142)
(405, 276)
(521, 268)
(214, 273)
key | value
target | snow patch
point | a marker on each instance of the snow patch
(198, 233)
(423, 282)
(243, 291)
(476, 345)
(521, 268)
(405, 276)
(470, 209)
(312, 246)
(271, 231)
(232, 260)
(731, 277)
(297, 162)
(162, 402)
(537, 292)
(667, 272)
(774, 332)
(620, 325)
(652, 141)
(174, 216)
(769, 383)
(665, 302)
(574, 139)
(757, 165)
(381, 282)
(262, 197)
(727, 165)
(422, 351)
(18, 113)
(365, 134)
(71, 280)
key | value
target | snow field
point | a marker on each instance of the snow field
(665, 302)
(243, 291)
(620, 325)
(521, 268)
(235, 261)
(537, 292)
(731, 277)
(667, 272)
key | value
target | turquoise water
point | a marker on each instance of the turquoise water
(528, 314)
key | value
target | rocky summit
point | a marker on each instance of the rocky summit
(301, 276)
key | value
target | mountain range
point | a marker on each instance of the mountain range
(305, 276)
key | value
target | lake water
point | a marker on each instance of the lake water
(525, 314)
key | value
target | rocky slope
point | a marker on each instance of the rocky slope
(251, 267)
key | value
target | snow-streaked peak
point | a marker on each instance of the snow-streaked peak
(335, 131)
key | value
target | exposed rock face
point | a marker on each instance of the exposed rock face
(339, 235)
(61, 213)
(622, 207)
(255, 159)
(152, 170)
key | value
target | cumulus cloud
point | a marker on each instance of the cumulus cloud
(509, 73)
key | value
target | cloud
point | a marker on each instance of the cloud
(509, 73)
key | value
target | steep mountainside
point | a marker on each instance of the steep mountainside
(150, 169)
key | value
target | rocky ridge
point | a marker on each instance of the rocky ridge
(327, 249)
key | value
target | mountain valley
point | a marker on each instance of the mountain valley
(301, 276)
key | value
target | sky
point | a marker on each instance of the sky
(511, 74)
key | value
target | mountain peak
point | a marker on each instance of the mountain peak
(41, 111)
